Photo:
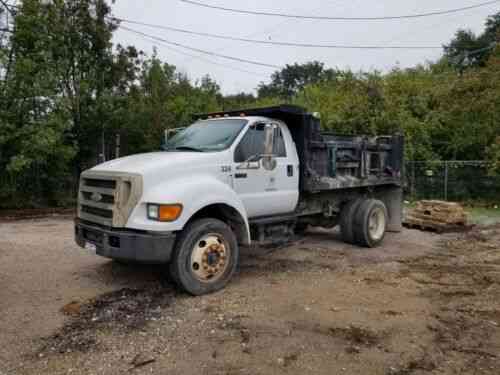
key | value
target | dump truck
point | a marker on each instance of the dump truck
(237, 178)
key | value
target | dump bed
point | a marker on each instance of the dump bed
(329, 161)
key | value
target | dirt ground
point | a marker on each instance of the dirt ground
(421, 304)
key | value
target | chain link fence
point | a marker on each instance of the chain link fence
(458, 181)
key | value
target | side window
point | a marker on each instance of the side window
(279, 144)
(252, 144)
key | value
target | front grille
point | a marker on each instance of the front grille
(93, 182)
(108, 198)
(98, 196)
(108, 214)
(105, 198)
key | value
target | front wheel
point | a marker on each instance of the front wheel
(205, 257)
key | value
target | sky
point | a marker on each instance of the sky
(235, 77)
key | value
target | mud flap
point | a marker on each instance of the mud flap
(393, 200)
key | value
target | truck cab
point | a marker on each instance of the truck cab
(226, 181)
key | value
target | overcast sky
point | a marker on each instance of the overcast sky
(434, 30)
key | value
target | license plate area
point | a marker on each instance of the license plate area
(90, 247)
(93, 236)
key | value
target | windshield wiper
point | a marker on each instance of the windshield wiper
(186, 148)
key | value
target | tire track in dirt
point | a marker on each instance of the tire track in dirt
(462, 279)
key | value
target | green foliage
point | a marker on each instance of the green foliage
(238, 101)
(493, 155)
(467, 49)
(290, 80)
(66, 92)
(442, 115)
(163, 99)
(33, 120)
(399, 102)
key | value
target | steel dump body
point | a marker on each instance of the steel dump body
(333, 162)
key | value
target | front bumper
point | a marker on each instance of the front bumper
(127, 245)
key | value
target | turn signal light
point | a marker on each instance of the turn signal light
(164, 212)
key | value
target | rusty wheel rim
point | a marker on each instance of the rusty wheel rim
(210, 257)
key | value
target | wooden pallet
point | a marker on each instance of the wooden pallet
(438, 228)
(437, 216)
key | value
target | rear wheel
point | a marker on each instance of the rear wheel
(205, 257)
(347, 220)
(370, 223)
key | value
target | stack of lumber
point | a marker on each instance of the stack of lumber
(437, 216)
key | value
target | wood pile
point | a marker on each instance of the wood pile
(437, 216)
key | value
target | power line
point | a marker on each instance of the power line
(202, 58)
(201, 50)
(170, 43)
(8, 7)
(466, 54)
(224, 47)
(470, 53)
(272, 29)
(268, 42)
(331, 18)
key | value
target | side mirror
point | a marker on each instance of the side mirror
(268, 159)
(169, 133)
(165, 137)
(253, 162)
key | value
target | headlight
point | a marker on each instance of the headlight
(164, 212)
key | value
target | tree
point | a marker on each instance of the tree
(163, 98)
(82, 54)
(493, 154)
(287, 82)
(58, 78)
(467, 49)
(238, 101)
(33, 122)
(492, 27)
(66, 91)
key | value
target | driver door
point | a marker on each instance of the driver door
(257, 184)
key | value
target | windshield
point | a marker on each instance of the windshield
(208, 135)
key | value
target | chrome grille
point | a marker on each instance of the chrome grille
(108, 198)
(92, 182)
(97, 211)
(97, 198)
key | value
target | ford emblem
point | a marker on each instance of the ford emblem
(96, 197)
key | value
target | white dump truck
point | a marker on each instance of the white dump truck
(238, 178)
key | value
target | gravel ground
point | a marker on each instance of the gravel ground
(422, 303)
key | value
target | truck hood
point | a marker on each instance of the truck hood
(155, 161)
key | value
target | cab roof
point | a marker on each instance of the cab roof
(281, 112)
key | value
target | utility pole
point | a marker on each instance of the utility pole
(118, 144)
(8, 7)
(446, 180)
(100, 84)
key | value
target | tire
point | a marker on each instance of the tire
(347, 220)
(205, 257)
(123, 262)
(301, 229)
(370, 223)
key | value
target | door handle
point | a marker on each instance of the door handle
(240, 175)
(289, 170)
